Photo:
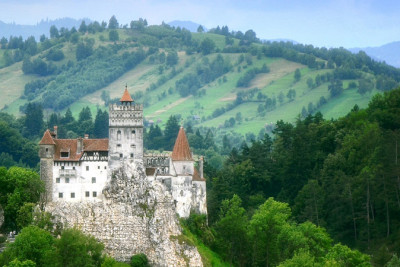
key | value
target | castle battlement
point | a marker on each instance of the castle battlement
(130, 107)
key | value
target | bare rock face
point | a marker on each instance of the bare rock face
(135, 216)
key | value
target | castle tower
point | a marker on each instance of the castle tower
(125, 132)
(46, 154)
(181, 154)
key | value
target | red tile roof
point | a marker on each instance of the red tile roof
(70, 145)
(95, 144)
(181, 150)
(63, 145)
(47, 139)
(126, 97)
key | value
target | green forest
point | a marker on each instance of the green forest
(307, 190)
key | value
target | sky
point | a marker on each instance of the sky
(328, 23)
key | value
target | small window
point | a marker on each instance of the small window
(119, 135)
(87, 168)
(120, 155)
(94, 194)
(73, 168)
(131, 155)
(64, 154)
(133, 146)
(87, 194)
(93, 180)
(60, 195)
(72, 195)
(62, 167)
(98, 167)
(47, 150)
(105, 167)
(57, 180)
(67, 180)
(118, 145)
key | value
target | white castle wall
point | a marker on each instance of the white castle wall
(85, 180)
(199, 197)
(74, 180)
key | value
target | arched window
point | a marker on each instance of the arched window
(119, 135)
(133, 134)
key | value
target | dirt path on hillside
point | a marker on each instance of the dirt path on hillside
(278, 69)
(117, 87)
(168, 107)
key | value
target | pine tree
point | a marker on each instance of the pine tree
(171, 132)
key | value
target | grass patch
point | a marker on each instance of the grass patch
(219, 40)
(12, 84)
(208, 257)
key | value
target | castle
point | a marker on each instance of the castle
(77, 170)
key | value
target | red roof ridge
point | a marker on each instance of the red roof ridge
(196, 176)
(47, 139)
(95, 144)
(126, 97)
(181, 150)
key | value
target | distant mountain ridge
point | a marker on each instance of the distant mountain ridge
(390, 53)
(188, 25)
(43, 27)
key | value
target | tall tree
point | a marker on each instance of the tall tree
(113, 23)
(33, 119)
(54, 32)
(231, 231)
(171, 132)
(297, 75)
(113, 35)
(101, 124)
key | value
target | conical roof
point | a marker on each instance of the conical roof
(181, 150)
(126, 97)
(47, 139)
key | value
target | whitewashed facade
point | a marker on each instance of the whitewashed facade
(76, 170)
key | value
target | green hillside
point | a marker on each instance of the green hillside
(217, 79)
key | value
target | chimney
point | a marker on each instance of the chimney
(86, 136)
(55, 131)
(201, 167)
(79, 145)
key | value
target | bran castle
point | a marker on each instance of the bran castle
(77, 170)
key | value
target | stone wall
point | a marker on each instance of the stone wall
(46, 175)
(135, 216)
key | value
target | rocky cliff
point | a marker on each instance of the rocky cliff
(135, 216)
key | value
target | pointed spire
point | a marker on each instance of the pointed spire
(47, 139)
(126, 97)
(181, 150)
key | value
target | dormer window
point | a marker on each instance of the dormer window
(65, 154)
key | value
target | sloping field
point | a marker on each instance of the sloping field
(12, 83)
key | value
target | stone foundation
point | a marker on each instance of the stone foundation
(135, 216)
